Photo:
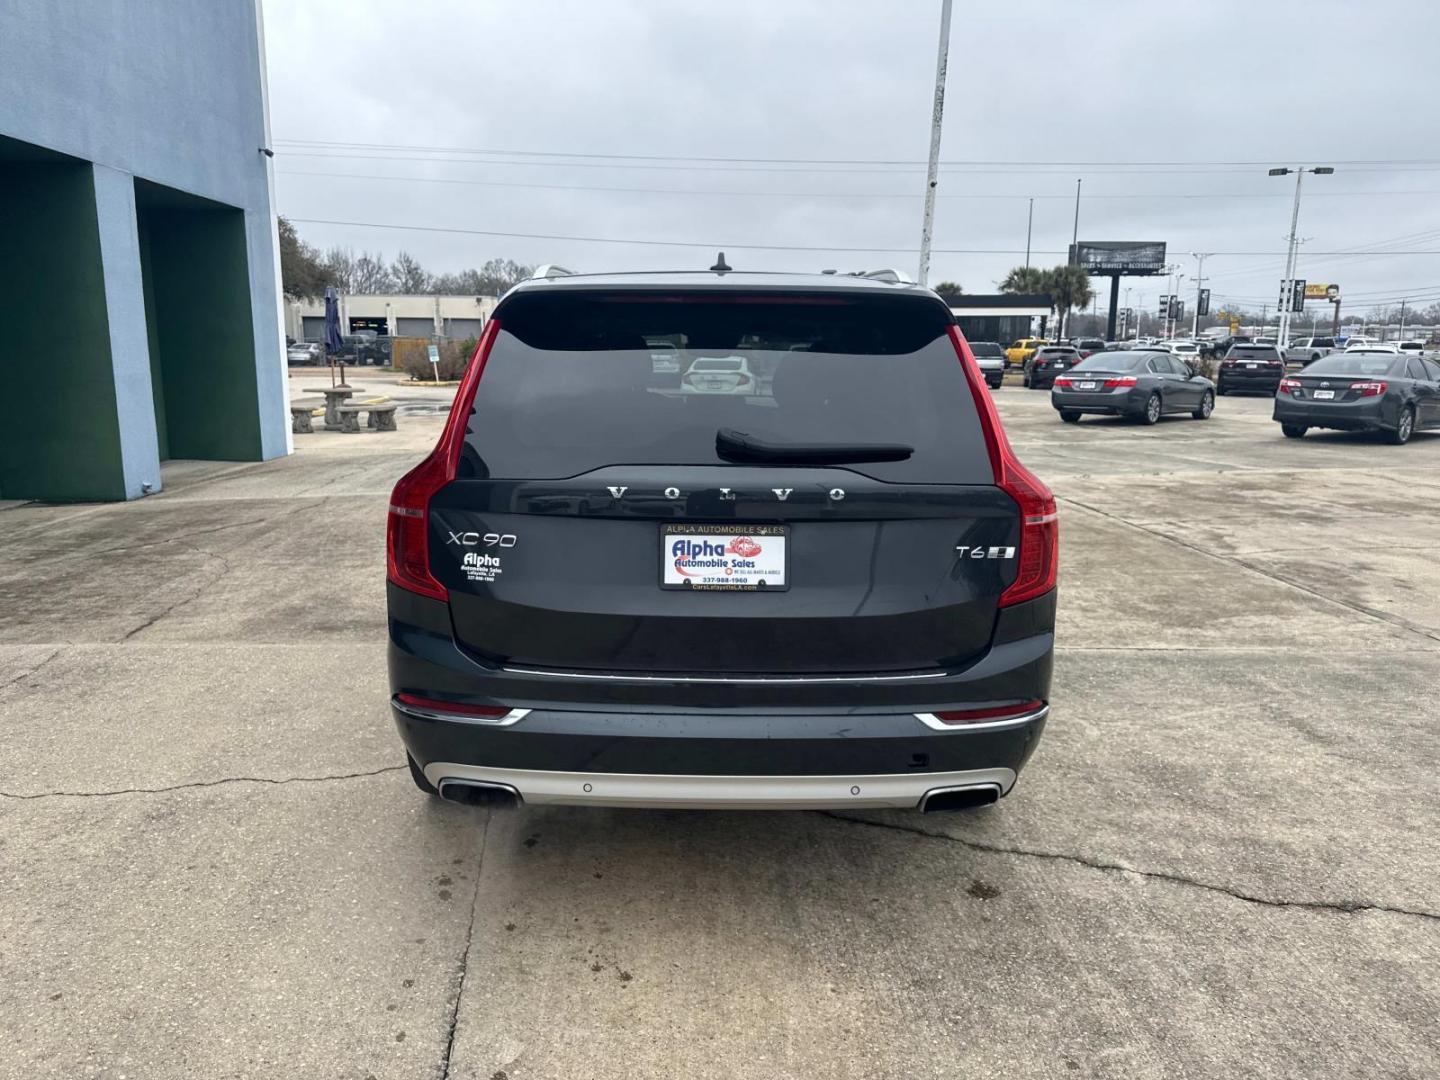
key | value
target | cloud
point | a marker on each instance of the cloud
(1095, 91)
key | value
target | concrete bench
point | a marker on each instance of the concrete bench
(382, 417)
(301, 413)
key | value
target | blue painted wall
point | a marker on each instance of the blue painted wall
(170, 91)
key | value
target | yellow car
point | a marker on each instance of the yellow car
(1022, 350)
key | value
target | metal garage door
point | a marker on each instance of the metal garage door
(313, 328)
(407, 327)
(460, 329)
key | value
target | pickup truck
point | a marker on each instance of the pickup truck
(1307, 350)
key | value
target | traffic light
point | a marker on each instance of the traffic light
(1164, 311)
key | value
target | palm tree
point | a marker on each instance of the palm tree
(1069, 287)
(1025, 279)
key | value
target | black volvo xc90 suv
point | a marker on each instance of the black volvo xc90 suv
(812, 575)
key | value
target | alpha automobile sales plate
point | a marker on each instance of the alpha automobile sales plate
(752, 558)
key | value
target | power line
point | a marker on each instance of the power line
(726, 244)
(809, 161)
(823, 194)
(1037, 168)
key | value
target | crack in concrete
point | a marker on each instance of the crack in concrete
(199, 591)
(202, 784)
(465, 954)
(87, 553)
(18, 679)
(1339, 906)
(1377, 615)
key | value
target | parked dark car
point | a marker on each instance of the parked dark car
(1362, 391)
(991, 359)
(1250, 367)
(1144, 385)
(836, 590)
(1049, 361)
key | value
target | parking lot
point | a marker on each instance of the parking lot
(1221, 862)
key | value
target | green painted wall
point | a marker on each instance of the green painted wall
(202, 343)
(60, 439)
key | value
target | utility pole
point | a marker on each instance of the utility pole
(1075, 232)
(932, 175)
(1029, 224)
(1287, 287)
(1200, 257)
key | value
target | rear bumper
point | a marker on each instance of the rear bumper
(711, 741)
(1367, 414)
(1127, 402)
(1238, 379)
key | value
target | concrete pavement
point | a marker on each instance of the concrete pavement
(1221, 862)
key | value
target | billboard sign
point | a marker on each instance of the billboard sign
(1315, 291)
(1202, 304)
(1119, 258)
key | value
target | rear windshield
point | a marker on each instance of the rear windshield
(1356, 364)
(986, 348)
(1255, 352)
(570, 385)
(1088, 344)
(1113, 361)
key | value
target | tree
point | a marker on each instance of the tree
(409, 276)
(1025, 279)
(949, 288)
(498, 275)
(340, 268)
(302, 272)
(1069, 287)
(372, 275)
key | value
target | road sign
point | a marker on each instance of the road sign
(435, 360)
(1164, 309)
(1202, 305)
(1177, 308)
(1297, 295)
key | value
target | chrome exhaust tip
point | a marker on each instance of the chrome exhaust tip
(475, 793)
(959, 798)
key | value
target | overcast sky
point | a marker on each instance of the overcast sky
(1039, 94)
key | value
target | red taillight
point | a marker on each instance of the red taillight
(744, 380)
(407, 536)
(1292, 385)
(1227, 363)
(1120, 380)
(1039, 555)
(1062, 380)
(1369, 389)
(491, 712)
(982, 716)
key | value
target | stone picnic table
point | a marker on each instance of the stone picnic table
(335, 396)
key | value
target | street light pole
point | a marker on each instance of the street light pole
(1029, 224)
(932, 175)
(1287, 287)
(1199, 257)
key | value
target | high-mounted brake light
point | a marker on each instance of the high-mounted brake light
(1369, 389)
(1120, 380)
(407, 536)
(1039, 555)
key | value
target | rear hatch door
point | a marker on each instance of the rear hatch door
(598, 525)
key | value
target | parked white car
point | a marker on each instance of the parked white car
(1307, 350)
(1372, 347)
(719, 375)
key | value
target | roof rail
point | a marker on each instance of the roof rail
(895, 277)
(550, 270)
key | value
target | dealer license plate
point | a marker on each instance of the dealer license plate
(1252, 367)
(1084, 386)
(724, 557)
(1324, 394)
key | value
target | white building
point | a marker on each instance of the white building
(452, 317)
